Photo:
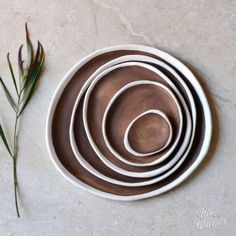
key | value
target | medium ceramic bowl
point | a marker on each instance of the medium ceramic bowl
(157, 161)
(89, 134)
(152, 60)
(89, 168)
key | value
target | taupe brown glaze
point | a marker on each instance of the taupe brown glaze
(126, 107)
(149, 133)
(123, 111)
(60, 135)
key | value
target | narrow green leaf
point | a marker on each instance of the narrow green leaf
(20, 64)
(12, 73)
(30, 50)
(9, 97)
(33, 82)
(30, 91)
(4, 140)
(28, 97)
(33, 67)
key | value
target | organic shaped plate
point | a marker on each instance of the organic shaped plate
(140, 99)
(113, 82)
(59, 120)
(99, 170)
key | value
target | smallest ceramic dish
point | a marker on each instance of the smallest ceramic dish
(149, 133)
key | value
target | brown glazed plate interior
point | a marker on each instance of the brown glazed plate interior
(129, 105)
(149, 133)
(98, 109)
(60, 116)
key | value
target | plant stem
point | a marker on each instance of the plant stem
(15, 187)
(15, 156)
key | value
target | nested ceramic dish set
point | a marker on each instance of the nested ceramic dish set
(128, 122)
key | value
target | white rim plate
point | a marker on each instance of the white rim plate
(179, 66)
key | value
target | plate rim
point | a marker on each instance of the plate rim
(178, 65)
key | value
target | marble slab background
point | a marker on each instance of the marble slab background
(200, 33)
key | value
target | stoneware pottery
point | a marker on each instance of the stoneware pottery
(128, 122)
(139, 133)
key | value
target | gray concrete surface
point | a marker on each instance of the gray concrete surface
(200, 33)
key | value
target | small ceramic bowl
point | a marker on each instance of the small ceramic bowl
(139, 139)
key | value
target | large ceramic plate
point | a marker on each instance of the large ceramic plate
(96, 169)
